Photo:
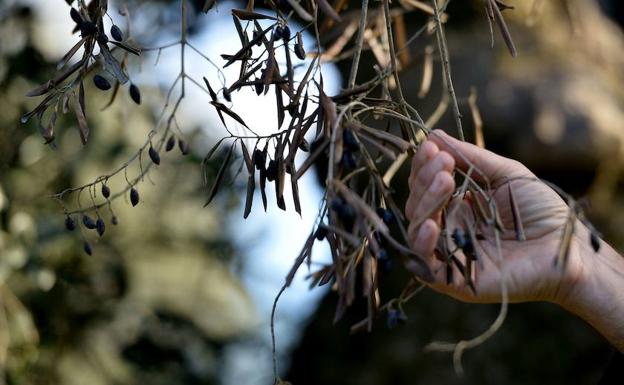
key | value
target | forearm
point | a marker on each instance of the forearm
(597, 294)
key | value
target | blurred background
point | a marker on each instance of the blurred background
(176, 294)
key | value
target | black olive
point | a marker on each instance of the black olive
(114, 220)
(87, 248)
(170, 143)
(154, 156)
(135, 93)
(259, 88)
(272, 170)
(320, 233)
(88, 222)
(348, 161)
(70, 225)
(100, 227)
(134, 196)
(386, 215)
(259, 159)
(101, 82)
(183, 146)
(88, 28)
(304, 145)
(105, 191)
(350, 141)
(116, 33)
(227, 95)
(75, 15)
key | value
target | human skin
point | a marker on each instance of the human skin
(590, 284)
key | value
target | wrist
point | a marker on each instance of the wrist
(592, 286)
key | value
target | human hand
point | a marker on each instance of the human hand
(529, 264)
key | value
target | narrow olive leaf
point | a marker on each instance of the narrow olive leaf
(114, 93)
(251, 186)
(329, 10)
(70, 54)
(400, 144)
(83, 127)
(280, 107)
(111, 65)
(267, 75)
(380, 147)
(290, 72)
(361, 206)
(248, 15)
(213, 95)
(47, 130)
(299, 50)
(208, 4)
(263, 179)
(500, 21)
(312, 158)
(52, 83)
(295, 192)
(594, 240)
(232, 114)
(126, 47)
(247, 47)
(304, 82)
(239, 29)
(247, 158)
(515, 213)
(301, 12)
(427, 77)
(220, 174)
(75, 15)
(305, 251)
(566, 238)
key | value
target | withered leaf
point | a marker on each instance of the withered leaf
(251, 186)
(70, 53)
(263, 179)
(213, 95)
(111, 65)
(502, 25)
(247, 157)
(50, 84)
(83, 127)
(247, 47)
(329, 10)
(220, 174)
(222, 108)
(208, 4)
(295, 192)
(515, 213)
(248, 15)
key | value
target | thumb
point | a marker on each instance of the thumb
(487, 166)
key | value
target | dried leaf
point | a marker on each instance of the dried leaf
(111, 65)
(502, 25)
(515, 213)
(220, 173)
(248, 15)
(213, 95)
(208, 4)
(251, 186)
(247, 47)
(329, 11)
(83, 127)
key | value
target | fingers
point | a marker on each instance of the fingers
(441, 162)
(489, 166)
(424, 241)
(430, 205)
